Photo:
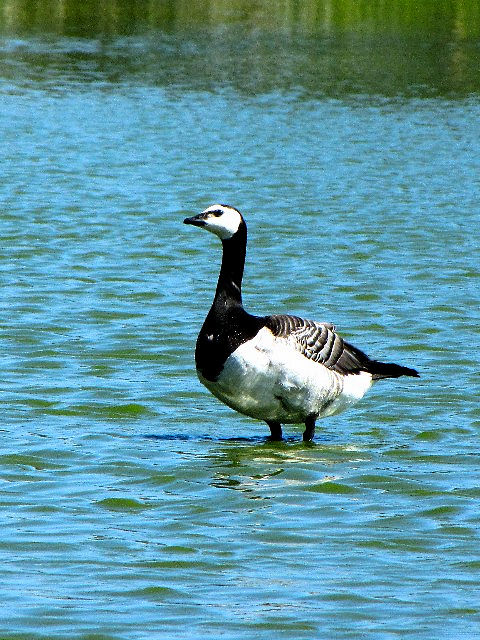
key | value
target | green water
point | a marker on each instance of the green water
(133, 504)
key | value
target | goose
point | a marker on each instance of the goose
(280, 369)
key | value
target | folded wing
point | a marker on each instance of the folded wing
(318, 341)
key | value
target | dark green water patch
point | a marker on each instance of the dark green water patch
(38, 462)
(126, 411)
(331, 487)
(123, 504)
(158, 593)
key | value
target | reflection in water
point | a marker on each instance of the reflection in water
(261, 470)
(453, 19)
(326, 47)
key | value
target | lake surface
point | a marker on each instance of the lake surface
(133, 504)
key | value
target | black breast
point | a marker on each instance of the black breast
(221, 334)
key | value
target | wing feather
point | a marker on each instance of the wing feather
(318, 341)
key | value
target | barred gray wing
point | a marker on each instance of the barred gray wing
(318, 341)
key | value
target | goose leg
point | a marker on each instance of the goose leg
(275, 430)
(309, 429)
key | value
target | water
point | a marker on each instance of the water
(134, 505)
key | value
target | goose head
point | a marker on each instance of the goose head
(220, 219)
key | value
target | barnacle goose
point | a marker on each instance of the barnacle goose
(281, 369)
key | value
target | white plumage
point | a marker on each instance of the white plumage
(266, 378)
(281, 369)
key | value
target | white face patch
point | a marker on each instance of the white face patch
(221, 220)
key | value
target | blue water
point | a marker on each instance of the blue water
(134, 505)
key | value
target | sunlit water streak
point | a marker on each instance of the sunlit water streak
(134, 504)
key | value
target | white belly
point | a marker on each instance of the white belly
(267, 379)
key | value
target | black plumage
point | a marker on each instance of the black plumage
(265, 379)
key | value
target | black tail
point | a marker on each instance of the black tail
(380, 370)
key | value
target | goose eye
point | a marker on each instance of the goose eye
(217, 213)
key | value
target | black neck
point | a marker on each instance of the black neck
(229, 286)
(227, 324)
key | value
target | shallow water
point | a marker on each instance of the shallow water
(134, 505)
